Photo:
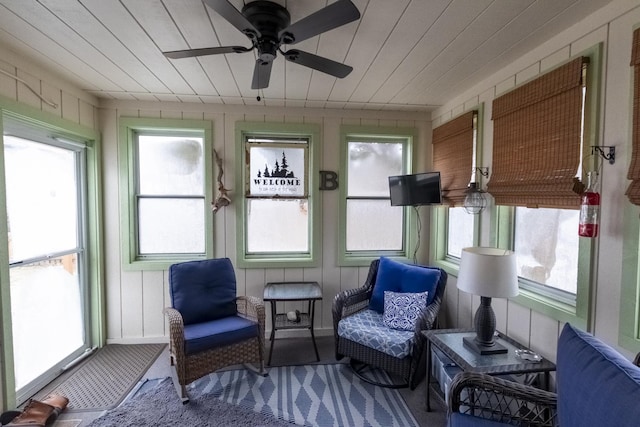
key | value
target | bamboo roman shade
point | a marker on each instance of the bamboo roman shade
(633, 192)
(453, 156)
(537, 131)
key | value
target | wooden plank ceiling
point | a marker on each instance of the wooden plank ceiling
(405, 54)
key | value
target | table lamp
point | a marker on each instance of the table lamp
(489, 273)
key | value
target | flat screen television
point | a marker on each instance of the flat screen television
(416, 189)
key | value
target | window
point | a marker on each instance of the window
(553, 264)
(548, 258)
(50, 196)
(372, 227)
(459, 231)
(536, 183)
(167, 203)
(455, 150)
(279, 197)
(630, 291)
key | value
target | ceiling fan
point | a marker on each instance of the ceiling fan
(267, 24)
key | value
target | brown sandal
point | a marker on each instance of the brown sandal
(40, 413)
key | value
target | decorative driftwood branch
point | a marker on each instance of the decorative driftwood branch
(223, 198)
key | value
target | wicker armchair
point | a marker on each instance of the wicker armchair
(504, 401)
(209, 326)
(411, 369)
(481, 399)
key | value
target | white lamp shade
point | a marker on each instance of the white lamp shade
(488, 272)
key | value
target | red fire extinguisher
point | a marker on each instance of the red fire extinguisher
(589, 209)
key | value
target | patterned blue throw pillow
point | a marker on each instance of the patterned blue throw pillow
(401, 310)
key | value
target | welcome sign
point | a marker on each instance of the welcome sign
(277, 171)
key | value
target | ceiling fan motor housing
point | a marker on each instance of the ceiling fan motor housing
(269, 18)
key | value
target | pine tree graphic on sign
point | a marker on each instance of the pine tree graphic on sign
(280, 170)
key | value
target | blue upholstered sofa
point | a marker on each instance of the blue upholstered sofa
(596, 387)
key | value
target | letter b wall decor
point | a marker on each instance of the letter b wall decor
(328, 180)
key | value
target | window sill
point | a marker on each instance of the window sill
(277, 262)
(156, 264)
(364, 260)
(451, 267)
(629, 343)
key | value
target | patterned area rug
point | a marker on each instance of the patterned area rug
(156, 404)
(311, 395)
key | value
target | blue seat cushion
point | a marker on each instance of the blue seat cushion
(217, 333)
(203, 290)
(399, 277)
(366, 327)
(596, 385)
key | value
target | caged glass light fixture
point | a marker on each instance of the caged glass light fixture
(475, 200)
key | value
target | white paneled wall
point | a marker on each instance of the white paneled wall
(613, 27)
(73, 104)
(135, 299)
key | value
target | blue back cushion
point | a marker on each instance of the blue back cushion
(399, 277)
(203, 290)
(596, 385)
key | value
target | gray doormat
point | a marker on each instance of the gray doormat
(105, 378)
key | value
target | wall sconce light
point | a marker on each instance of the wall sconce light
(475, 200)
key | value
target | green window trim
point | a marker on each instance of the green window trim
(502, 227)
(408, 136)
(629, 332)
(128, 126)
(578, 315)
(292, 260)
(440, 215)
(439, 227)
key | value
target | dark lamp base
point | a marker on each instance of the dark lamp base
(483, 350)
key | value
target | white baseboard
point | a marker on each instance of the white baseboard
(300, 333)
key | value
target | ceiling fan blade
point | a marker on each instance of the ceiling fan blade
(319, 63)
(333, 16)
(261, 74)
(234, 16)
(187, 53)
